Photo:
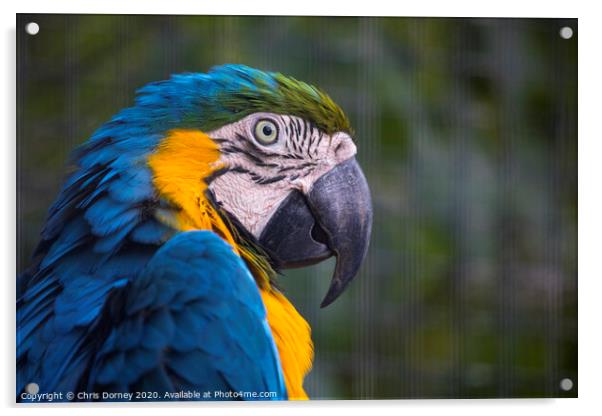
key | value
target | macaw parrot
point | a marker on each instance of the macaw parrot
(155, 275)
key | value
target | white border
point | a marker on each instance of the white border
(590, 206)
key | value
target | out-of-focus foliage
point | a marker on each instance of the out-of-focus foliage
(466, 129)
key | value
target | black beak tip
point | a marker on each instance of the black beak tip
(332, 295)
(337, 286)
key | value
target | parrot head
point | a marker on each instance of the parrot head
(297, 189)
(262, 159)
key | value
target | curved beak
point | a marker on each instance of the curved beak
(334, 218)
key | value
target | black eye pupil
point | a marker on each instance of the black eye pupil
(267, 130)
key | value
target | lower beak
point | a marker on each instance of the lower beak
(334, 218)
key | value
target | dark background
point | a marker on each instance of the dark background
(466, 130)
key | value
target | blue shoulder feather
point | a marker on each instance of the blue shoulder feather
(191, 319)
(194, 321)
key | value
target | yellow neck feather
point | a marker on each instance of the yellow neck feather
(180, 165)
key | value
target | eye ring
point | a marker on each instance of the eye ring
(266, 131)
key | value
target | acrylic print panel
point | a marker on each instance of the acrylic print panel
(192, 188)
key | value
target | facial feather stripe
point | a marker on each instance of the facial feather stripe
(301, 140)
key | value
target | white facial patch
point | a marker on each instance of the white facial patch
(259, 176)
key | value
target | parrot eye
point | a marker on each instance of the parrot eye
(266, 132)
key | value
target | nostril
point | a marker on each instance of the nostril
(344, 149)
(336, 149)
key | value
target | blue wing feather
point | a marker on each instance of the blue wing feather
(191, 318)
(186, 315)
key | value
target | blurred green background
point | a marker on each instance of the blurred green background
(467, 132)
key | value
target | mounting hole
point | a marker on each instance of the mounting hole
(566, 384)
(32, 388)
(32, 28)
(566, 32)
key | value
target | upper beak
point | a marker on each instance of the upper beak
(334, 218)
